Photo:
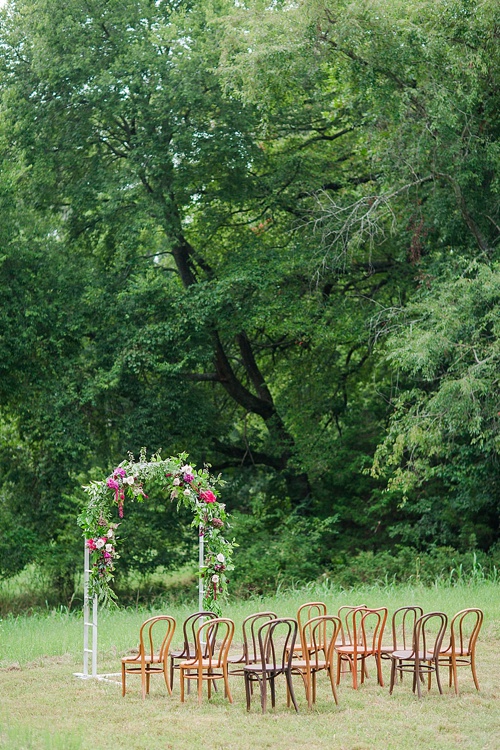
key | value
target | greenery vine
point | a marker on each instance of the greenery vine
(196, 489)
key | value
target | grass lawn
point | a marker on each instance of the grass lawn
(44, 707)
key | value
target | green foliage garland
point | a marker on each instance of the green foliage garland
(194, 489)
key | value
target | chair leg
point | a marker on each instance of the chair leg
(247, 689)
(473, 668)
(166, 677)
(123, 679)
(393, 675)
(200, 686)
(182, 684)
(380, 678)
(438, 680)
(263, 695)
(226, 684)
(332, 682)
(288, 676)
(273, 691)
(171, 674)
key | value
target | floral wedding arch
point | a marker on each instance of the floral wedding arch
(195, 489)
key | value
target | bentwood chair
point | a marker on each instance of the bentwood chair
(150, 660)
(363, 638)
(188, 650)
(276, 641)
(319, 636)
(213, 641)
(423, 656)
(402, 627)
(304, 613)
(250, 651)
(461, 652)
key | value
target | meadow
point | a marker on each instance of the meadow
(45, 707)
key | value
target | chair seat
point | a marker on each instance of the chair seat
(302, 664)
(155, 659)
(409, 654)
(349, 650)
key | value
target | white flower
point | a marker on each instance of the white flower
(109, 548)
(187, 492)
(100, 543)
(186, 469)
(128, 480)
(177, 481)
(174, 494)
(221, 558)
(110, 534)
(215, 578)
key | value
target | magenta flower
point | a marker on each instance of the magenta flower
(112, 483)
(119, 472)
(188, 478)
(91, 545)
(208, 496)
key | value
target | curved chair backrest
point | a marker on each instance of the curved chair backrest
(190, 628)
(403, 625)
(150, 630)
(308, 611)
(213, 641)
(369, 627)
(320, 634)
(465, 627)
(250, 627)
(344, 613)
(428, 635)
(276, 641)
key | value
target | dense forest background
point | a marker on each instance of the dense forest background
(265, 233)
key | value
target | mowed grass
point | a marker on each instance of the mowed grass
(43, 706)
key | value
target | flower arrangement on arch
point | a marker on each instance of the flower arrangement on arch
(195, 489)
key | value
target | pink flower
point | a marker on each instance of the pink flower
(91, 545)
(208, 496)
(112, 483)
(119, 472)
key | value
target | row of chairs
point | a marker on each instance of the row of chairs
(312, 642)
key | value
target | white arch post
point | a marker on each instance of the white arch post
(90, 617)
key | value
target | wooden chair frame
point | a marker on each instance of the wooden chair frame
(365, 630)
(210, 661)
(274, 661)
(250, 651)
(318, 647)
(423, 658)
(148, 661)
(462, 649)
(188, 651)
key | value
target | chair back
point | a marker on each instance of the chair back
(213, 641)
(403, 625)
(344, 613)
(250, 627)
(159, 629)
(465, 627)
(190, 628)
(308, 611)
(276, 641)
(320, 634)
(428, 636)
(367, 628)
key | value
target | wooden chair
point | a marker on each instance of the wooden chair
(304, 613)
(402, 627)
(464, 631)
(319, 636)
(423, 657)
(363, 635)
(188, 650)
(213, 641)
(276, 641)
(149, 660)
(250, 652)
